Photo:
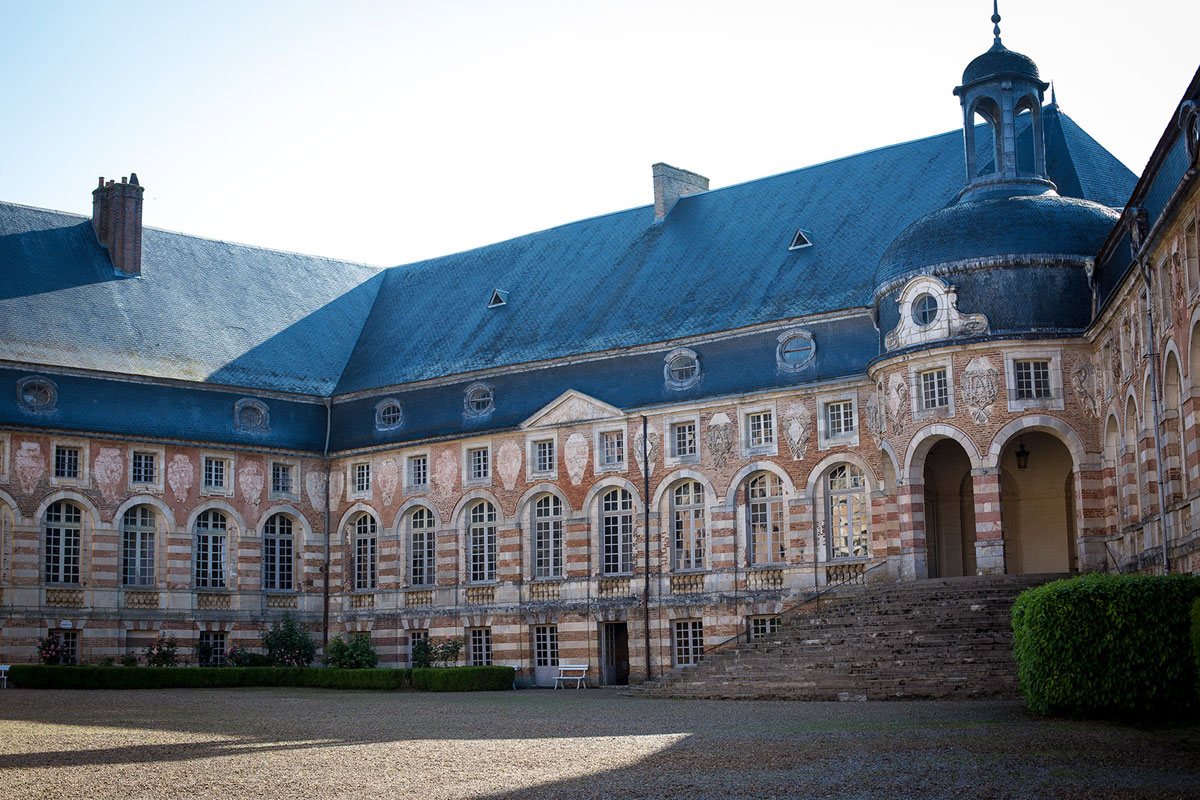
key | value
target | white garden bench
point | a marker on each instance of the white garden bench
(571, 672)
(4, 675)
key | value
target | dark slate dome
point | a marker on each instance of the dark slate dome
(998, 226)
(1000, 61)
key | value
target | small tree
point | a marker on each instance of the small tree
(164, 652)
(50, 649)
(423, 654)
(288, 644)
(358, 654)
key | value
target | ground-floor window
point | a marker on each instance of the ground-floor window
(70, 646)
(689, 642)
(763, 627)
(545, 645)
(210, 652)
(480, 652)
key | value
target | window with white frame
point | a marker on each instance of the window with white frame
(481, 538)
(212, 644)
(283, 478)
(682, 368)
(764, 519)
(616, 527)
(846, 512)
(545, 645)
(216, 471)
(278, 562)
(211, 529)
(480, 647)
(683, 439)
(143, 467)
(66, 462)
(418, 472)
(137, 546)
(543, 456)
(760, 432)
(415, 636)
(362, 478)
(934, 389)
(63, 542)
(689, 642)
(612, 449)
(70, 646)
(839, 418)
(763, 627)
(1032, 379)
(547, 537)
(421, 548)
(479, 464)
(363, 534)
(687, 525)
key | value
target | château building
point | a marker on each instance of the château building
(623, 439)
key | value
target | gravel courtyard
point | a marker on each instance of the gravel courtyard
(305, 743)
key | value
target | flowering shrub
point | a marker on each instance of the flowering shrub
(288, 644)
(448, 650)
(50, 649)
(164, 652)
(358, 654)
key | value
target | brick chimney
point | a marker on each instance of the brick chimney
(117, 219)
(672, 183)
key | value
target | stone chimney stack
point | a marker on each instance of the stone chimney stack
(117, 220)
(672, 183)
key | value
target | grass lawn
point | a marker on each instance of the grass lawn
(311, 743)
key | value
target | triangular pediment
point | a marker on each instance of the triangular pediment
(569, 408)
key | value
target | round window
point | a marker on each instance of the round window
(681, 368)
(37, 395)
(479, 399)
(252, 417)
(684, 368)
(389, 414)
(925, 310)
(796, 351)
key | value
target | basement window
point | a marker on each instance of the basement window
(499, 298)
(801, 240)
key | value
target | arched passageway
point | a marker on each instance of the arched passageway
(949, 511)
(1037, 504)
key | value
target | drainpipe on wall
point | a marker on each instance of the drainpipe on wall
(328, 502)
(1155, 411)
(646, 531)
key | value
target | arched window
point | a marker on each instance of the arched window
(362, 532)
(211, 530)
(616, 530)
(846, 512)
(137, 546)
(764, 519)
(547, 537)
(278, 554)
(481, 536)
(421, 568)
(687, 525)
(1133, 504)
(64, 534)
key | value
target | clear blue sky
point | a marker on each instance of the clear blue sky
(387, 132)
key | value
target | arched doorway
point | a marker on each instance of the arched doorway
(1037, 504)
(949, 511)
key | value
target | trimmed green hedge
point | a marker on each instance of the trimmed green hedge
(1108, 646)
(456, 679)
(1196, 635)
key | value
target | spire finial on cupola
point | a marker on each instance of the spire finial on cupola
(996, 23)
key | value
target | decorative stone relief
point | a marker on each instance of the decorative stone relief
(876, 416)
(897, 403)
(720, 438)
(314, 485)
(1114, 363)
(445, 474)
(251, 480)
(570, 408)
(1178, 293)
(508, 463)
(107, 470)
(30, 465)
(652, 447)
(388, 471)
(337, 482)
(946, 320)
(797, 429)
(1084, 380)
(180, 476)
(978, 387)
(575, 457)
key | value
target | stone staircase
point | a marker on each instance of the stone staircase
(938, 638)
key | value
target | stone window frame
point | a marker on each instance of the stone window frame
(744, 414)
(85, 462)
(427, 553)
(479, 647)
(227, 534)
(600, 466)
(160, 467)
(761, 626)
(409, 486)
(469, 480)
(824, 440)
(669, 423)
(788, 336)
(230, 464)
(241, 416)
(556, 548)
(51, 387)
(915, 394)
(695, 512)
(158, 532)
(679, 384)
(353, 490)
(294, 494)
(364, 565)
(687, 642)
(469, 410)
(381, 407)
(5, 456)
(490, 548)
(83, 532)
(1055, 402)
(217, 642)
(531, 442)
(295, 555)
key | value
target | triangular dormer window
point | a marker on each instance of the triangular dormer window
(499, 298)
(800, 241)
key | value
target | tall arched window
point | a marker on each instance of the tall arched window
(687, 525)
(481, 536)
(278, 554)
(616, 530)
(64, 535)
(764, 519)
(137, 546)
(362, 532)
(547, 537)
(1133, 493)
(211, 530)
(846, 512)
(421, 569)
